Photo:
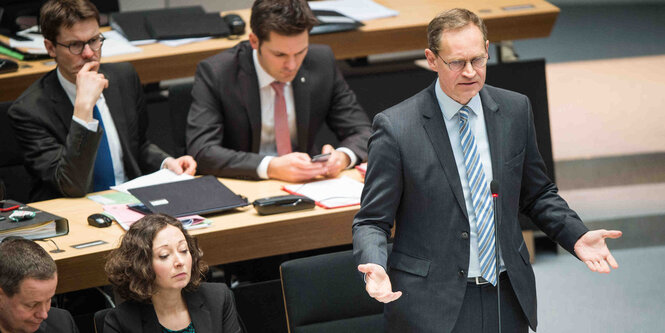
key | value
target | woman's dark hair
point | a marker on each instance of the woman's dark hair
(129, 267)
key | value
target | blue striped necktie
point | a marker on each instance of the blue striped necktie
(103, 176)
(481, 198)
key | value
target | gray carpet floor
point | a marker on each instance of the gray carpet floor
(630, 299)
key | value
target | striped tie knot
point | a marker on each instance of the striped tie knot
(464, 114)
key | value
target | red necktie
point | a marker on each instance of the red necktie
(282, 134)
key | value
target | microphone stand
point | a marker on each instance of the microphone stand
(494, 186)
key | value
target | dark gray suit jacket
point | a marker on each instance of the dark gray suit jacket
(60, 153)
(58, 321)
(224, 122)
(412, 179)
(211, 308)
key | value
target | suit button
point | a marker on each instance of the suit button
(465, 235)
(461, 273)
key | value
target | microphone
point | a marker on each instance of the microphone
(494, 187)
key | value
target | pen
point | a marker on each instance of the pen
(10, 208)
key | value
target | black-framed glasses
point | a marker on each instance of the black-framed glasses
(458, 65)
(77, 47)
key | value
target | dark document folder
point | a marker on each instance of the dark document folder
(133, 24)
(332, 21)
(43, 225)
(176, 25)
(203, 195)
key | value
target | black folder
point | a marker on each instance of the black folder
(176, 25)
(133, 24)
(332, 21)
(43, 225)
(203, 195)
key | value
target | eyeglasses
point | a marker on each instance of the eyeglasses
(458, 65)
(77, 47)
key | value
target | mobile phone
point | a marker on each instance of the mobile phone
(139, 208)
(321, 158)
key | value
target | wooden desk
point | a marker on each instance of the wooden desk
(233, 236)
(405, 32)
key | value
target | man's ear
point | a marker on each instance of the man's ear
(254, 41)
(50, 48)
(431, 60)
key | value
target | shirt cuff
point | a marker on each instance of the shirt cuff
(262, 169)
(352, 156)
(164, 162)
(91, 126)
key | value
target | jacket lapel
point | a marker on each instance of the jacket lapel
(494, 125)
(61, 104)
(438, 135)
(301, 96)
(249, 93)
(199, 314)
(150, 322)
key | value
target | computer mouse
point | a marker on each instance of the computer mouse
(99, 220)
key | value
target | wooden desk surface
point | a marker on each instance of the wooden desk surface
(505, 20)
(233, 236)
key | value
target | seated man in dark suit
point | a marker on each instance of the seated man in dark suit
(258, 107)
(28, 278)
(82, 126)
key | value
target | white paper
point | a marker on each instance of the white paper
(162, 176)
(117, 44)
(361, 10)
(182, 41)
(337, 192)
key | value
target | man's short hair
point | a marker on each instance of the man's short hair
(64, 13)
(285, 17)
(451, 20)
(21, 259)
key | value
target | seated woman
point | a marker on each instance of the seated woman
(158, 270)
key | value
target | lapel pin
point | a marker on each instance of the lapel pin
(302, 79)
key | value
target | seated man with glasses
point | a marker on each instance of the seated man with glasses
(82, 126)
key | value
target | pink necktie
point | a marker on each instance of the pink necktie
(282, 135)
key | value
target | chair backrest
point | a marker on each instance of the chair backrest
(180, 99)
(12, 172)
(99, 319)
(326, 293)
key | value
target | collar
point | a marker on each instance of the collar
(449, 107)
(70, 88)
(264, 78)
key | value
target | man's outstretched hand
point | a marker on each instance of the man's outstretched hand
(377, 283)
(593, 251)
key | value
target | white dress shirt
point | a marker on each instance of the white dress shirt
(267, 95)
(450, 109)
(109, 128)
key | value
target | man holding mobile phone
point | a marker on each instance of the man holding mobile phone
(258, 106)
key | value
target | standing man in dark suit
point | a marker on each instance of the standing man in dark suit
(28, 278)
(82, 126)
(258, 106)
(431, 160)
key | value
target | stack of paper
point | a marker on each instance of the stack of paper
(361, 10)
(331, 193)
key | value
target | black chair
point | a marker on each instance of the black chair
(12, 172)
(326, 293)
(99, 319)
(180, 99)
